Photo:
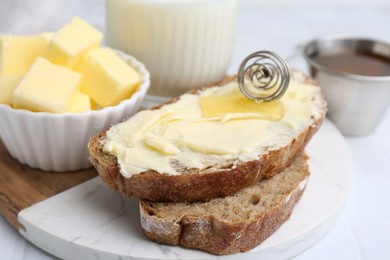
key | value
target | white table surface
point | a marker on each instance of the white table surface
(363, 230)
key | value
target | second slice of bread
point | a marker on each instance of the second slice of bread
(236, 223)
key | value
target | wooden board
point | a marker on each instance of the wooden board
(22, 186)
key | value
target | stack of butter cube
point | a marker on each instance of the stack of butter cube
(65, 71)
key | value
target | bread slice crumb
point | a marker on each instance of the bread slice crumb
(236, 223)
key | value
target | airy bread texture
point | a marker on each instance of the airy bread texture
(236, 223)
(217, 180)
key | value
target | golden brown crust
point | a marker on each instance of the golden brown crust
(196, 186)
(219, 236)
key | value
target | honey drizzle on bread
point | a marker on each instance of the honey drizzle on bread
(201, 185)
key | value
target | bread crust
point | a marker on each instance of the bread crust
(199, 186)
(218, 236)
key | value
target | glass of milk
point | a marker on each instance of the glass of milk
(184, 44)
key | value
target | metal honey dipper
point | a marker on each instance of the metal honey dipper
(263, 76)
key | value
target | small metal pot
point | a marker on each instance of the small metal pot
(356, 103)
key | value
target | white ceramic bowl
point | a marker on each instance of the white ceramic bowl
(58, 142)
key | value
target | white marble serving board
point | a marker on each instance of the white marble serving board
(90, 221)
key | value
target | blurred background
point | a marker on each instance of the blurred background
(285, 25)
(282, 26)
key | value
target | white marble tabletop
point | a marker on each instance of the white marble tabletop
(363, 230)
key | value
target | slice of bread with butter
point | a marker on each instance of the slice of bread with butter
(235, 223)
(208, 143)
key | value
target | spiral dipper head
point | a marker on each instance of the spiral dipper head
(263, 76)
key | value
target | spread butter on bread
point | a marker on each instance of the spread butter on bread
(198, 146)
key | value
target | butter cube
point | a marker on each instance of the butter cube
(95, 106)
(18, 53)
(79, 102)
(8, 83)
(46, 87)
(71, 42)
(107, 78)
